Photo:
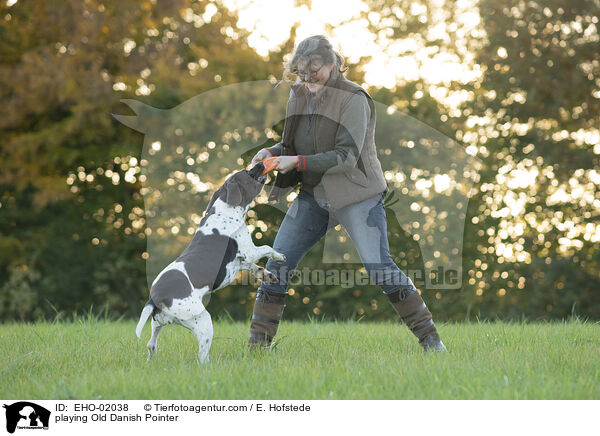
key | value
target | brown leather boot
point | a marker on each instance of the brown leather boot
(268, 309)
(417, 317)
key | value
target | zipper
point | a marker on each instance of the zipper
(315, 137)
(315, 125)
(292, 127)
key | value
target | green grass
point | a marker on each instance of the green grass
(100, 359)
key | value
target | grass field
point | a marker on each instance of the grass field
(99, 359)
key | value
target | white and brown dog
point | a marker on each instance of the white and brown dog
(221, 247)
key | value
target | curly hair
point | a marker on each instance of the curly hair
(314, 47)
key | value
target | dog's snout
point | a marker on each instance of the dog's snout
(256, 170)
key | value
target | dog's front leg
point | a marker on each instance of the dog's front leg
(259, 272)
(266, 251)
(251, 252)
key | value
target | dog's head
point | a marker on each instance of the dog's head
(242, 187)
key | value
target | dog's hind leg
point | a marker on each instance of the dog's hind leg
(202, 327)
(156, 328)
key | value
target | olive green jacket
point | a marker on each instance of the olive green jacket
(357, 174)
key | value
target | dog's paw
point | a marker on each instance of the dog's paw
(269, 277)
(278, 257)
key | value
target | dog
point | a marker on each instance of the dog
(220, 248)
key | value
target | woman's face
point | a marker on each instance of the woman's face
(314, 73)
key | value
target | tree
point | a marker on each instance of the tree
(71, 216)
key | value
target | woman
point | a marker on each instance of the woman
(328, 146)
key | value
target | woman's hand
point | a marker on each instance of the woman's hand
(286, 163)
(261, 155)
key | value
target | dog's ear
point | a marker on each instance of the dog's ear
(233, 195)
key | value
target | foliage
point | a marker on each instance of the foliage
(73, 221)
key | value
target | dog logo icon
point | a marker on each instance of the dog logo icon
(26, 415)
(189, 149)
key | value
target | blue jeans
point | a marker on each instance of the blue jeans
(307, 221)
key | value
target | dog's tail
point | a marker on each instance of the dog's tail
(148, 309)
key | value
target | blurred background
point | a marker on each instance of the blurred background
(515, 83)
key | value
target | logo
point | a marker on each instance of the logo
(190, 149)
(25, 415)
